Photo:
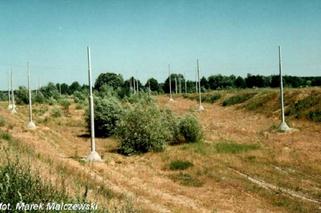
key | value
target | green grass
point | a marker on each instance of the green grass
(5, 136)
(237, 99)
(186, 179)
(17, 184)
(180, 165)
(233, 148)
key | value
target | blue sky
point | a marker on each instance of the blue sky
(142, 37)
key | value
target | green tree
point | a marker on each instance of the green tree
(111, 79)
(75, 86)
(154, 86)
(173, 76)
(239, 82)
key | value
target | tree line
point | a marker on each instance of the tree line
(123, 88)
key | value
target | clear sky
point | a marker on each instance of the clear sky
(141, 37)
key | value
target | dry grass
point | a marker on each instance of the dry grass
(235, 139)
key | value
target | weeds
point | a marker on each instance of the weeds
(186, 179)
(180, 165)
(56, 112)
(237, 99)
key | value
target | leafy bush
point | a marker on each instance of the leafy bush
(39, 98)
(51, 101)
(107, 113)
(237, 99)
(65, 104)
(143, 98)
(315, 116)
(22, 96)
(210, 98)
(180, 165)
(79, 97)
(142, 129)
(190, 129)
(56, 112)
(300, 107)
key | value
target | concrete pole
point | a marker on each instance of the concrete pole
(185, 84)
(137, 83)
(9, 93)
(134, 85)
(13, 108)
(93, 156)
(31, 124)
(149, 90)
(196, 87)
(283, 126)
(200, 108)
(170, 83)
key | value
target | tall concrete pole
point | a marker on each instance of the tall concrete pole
(170, 83)
(134, 84)
(9, 93)
(31, 124)
(196, 87)
(93, 156)
(283, 126)
(13, 108)
(149, 90)
(200, 108)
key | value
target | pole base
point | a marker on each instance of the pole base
(200, 108)
(93, 156)
(13, 110)
(171, 99)
(10, 107)
(31, 125)
(284, 127)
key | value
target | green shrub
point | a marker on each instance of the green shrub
(180, 165)
(5, 136)
(79, 97)
(65, 104)
(56, 112)
(22, 95)
(171, 122)
(300, 108)
(237, 99)
(209, 98)
(107, 113)
(51, 101)
(39, 98)
(190, 129)
(315, 116)
(142, 129)
(143, 98)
